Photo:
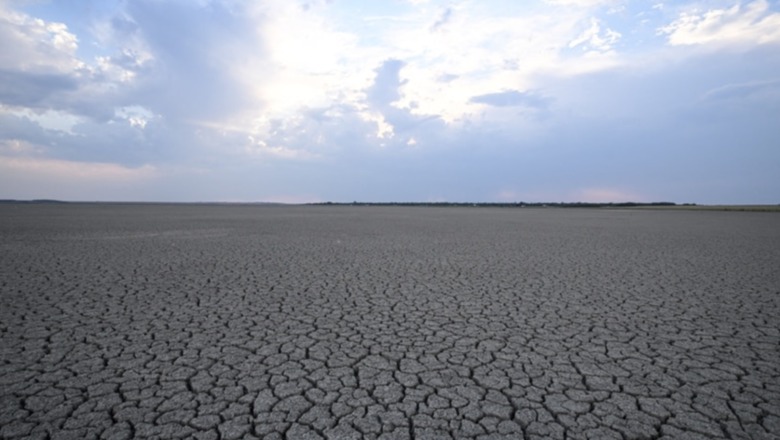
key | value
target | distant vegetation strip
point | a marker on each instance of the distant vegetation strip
(639, 205)
(31, 201)
(505, 204)
(642, 205)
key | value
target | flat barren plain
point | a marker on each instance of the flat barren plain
(309, 322)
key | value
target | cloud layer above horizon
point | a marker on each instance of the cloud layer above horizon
(398, 100)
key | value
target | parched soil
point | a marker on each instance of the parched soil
(307, 322)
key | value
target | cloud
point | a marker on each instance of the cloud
(309, 60)
(594, 39)
(149, 100)
(442, 19)
(767, 90)
(40, 70)
(38, 64)
(34, 45)
(581, 3)
(447, 77)
(482, 49)
(71, 170)
(34, 90)
(253, 100)
(123, 141)
(753, 23)
(390, 116)
(386, 87)
(262, 148)
(511, 98)
(194, 57)
(17, 147)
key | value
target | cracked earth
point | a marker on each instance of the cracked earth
(228, 322)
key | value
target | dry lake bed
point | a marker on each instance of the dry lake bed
(308, 322)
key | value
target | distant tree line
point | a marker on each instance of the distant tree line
(506, 205)
(4, 201)
(443, 204)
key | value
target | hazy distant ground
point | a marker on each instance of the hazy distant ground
(224, 321)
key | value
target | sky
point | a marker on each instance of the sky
(390, 100)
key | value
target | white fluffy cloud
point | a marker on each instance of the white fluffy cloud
(594, 38)
(34, 45)
(741, 24)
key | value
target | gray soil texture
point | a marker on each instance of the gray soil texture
(350, 322)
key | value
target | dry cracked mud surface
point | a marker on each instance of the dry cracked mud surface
(229, 322)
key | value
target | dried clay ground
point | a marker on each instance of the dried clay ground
(308, 322)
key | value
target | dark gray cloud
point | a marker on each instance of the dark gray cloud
(22, 128)
(194, 49)
(443, 19)
(447, 77)
(387, 84)
(74, 92)
(93, 141)
(512, 98)
(33, 90)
